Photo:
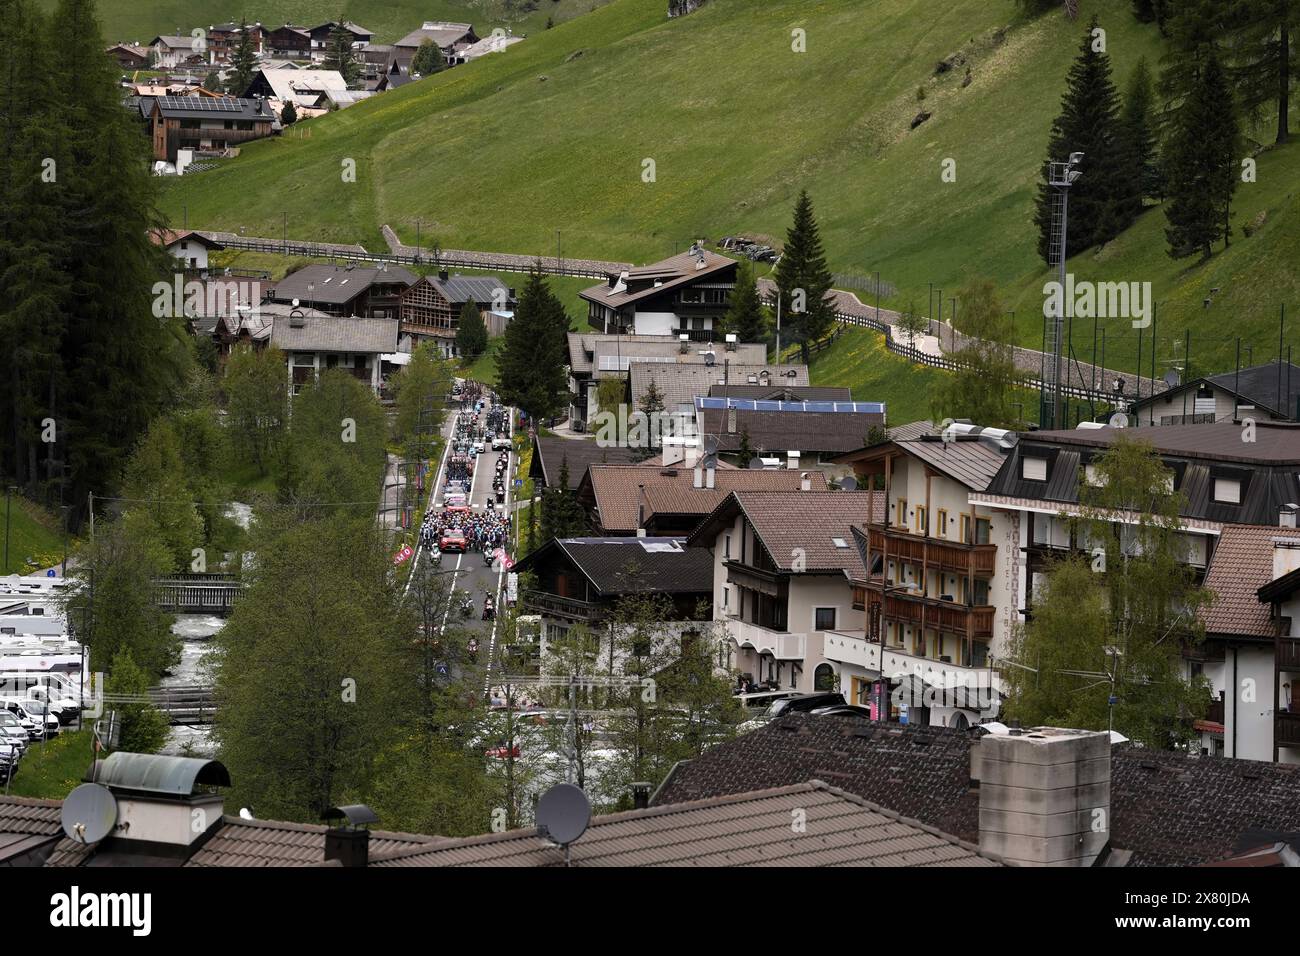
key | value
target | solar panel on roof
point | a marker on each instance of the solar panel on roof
(771, 405)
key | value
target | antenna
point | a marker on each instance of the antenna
(563, 815)
(89, 813)
(710, 444)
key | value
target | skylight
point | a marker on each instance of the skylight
(839, 542)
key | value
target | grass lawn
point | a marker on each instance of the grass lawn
(35, 538)
(860, 361)
(390, 20)
(51, 770)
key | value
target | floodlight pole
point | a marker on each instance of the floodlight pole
(1060, 178)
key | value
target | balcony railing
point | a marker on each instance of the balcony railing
(782, 645)
(553, 605)
(854, 647)
(933, 552)
(914, 608)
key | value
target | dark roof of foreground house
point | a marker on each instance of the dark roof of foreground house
(213, 108)
(789, 430)
(1168, 809)
(628, 565)
(971, 461)
(744, 829)
(799, 525)
(27, 828)
(682, 383)
(1272, 386)
(330, 334)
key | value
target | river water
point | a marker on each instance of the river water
(195, 631)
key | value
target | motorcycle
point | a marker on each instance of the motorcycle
(489, 611)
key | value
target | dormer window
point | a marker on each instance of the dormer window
(1227, 491)
(1033, 469)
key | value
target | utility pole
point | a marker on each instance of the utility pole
(9, 490)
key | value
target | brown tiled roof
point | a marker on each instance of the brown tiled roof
(807, 432)
(1169, 809)
(1242, 564)
(27, 825)
(1275, 442)
(330, 334)
(580, 343)
(746, 829)
(617, 496)
(801, 522)
(239, 842)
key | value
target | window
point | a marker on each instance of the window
(983, 530)
(839, 542)
(1033, 469)
(726, 599)
(900, 517)
(942, 529)
(1227, 491)
(726, 546)
(824, 619)
(824, 678)
(965, 528)
(922, 526)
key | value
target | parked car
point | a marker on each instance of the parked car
(45, 723)
(13, 732)
(797, 703)
(843, 710)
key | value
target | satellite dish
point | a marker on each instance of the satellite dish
(849, 484)
(1119, 420)
(563, 814)
(755, 464)
(89, 813)
(1172, 378)
(710, 444)
(245, 813)
(710, 359)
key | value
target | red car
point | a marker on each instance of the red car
(452, 540)
(502, 751)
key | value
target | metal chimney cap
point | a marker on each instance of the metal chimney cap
(356, 814)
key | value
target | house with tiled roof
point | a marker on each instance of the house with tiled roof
(1266, 392)
(371, 291)
(1159, 808)
(672, 499)
(679, 384)
(782, 562)
(430, 307)
(686, 294)
(186, 245)
(1250, 655)
(809, 824)
(449, 37)
(581, 581)
(814, 432)
(312, 344)
(939, 574)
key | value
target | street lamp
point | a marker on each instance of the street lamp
(1061, 176)
(9, 490)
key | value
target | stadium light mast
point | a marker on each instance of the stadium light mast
(1061, 176)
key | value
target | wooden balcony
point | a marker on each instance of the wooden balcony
(930, 552)
(909, 608)
(1287, 730)
(1288, 654)
(553, 605)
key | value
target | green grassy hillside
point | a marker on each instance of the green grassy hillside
(554, 133)
(35, 540)
(128, 20)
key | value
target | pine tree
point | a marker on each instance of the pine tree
(1202, 165)
(212, 82)
(746, 316)
(804, 281)
(340, 56)
(653, 399)
(1100, 200)
(1264, 60)
(1138, 125)
(428, 59)
(289, 114)
(243, 63)
(533, 355)
(471, 333)
(745, 453)
(1195, 28)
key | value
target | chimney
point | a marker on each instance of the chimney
(158, 800)
(1286, 515)
(442, 275)
(641, 795)
(792, 459)
(710, 472)
(349, 842)
(1044, 795)
(1286, 556)
(732, 339)
(805, 482)
(698, 481)
(686, 343)
(731, 421)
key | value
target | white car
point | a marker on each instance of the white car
(13, 732)
(40, 714)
